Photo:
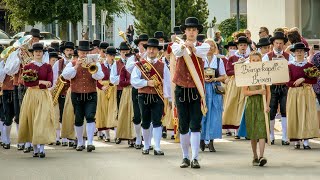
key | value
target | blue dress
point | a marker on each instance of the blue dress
(212, 123)
(242, 131)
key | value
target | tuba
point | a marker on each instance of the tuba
(24, 54)
(89, 63)
(57, 90)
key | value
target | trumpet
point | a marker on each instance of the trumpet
(183, 46)
(89, 63)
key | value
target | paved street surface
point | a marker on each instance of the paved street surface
(111, 161)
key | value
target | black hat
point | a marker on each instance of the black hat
(55, 45)
(159, 34)
(96, 42)
(316, 47)
(84, 46)
(263, 42)
(111, 50)
(37, 46)
(35, 33)
(191, 22)
(231, 43)
(153, 42)
(176, 30)
(142, 37)
(123, 46)
(299, 45)
(201, 37)
(53, 55)
(103, 45)
(50, 49)
(69, 45)
(278, 35)
(242, 40)
(75, 53)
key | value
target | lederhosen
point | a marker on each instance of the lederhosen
(136, 109)
(62, 96)
(7, 99)
(188, 99)
(150, 103)
(83, 96)
(18, 94)
(278, 93)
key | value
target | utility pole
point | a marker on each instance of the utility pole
(90, 19)
(173, 15)
(238, 15)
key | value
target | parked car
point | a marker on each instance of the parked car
(5, 39)
(47, 37)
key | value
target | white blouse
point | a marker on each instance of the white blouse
(214, 64)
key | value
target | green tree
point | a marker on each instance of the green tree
(229, 26)
(154, 15)
(64, 11)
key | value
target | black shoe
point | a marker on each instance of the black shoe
(236, 137)
(42, 155)
(75, 145)
(139, 146)
(164, 135)
(297, 146)
(262, 161)
(306, 147)
(272, 142)
(117, 140)
(1, 143)
(131, 143)
(50, 144)
(202, 145)
(64, 144)
(158, 153)
(185, 163)
(35, 155)
(172, 137)
(31, 148)
(58, 143)
(255, 162)
(90, 148)
(6, 146)
(100, 137)
(285, 143)
(27, 150)
(150, 148)
(107, 140)
(71, 144)
(20, 147)
(95, 133)
(228, 134)
(211, 147)
(145, 151)
(79, 148)
(195, 164)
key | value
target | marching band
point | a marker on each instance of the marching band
(67, 95)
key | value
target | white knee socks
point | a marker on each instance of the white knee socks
(79, 131)
(151, 134)
(4, 134)
(58, 135)
(35, 149)
(107, 133)
(41, 148)
(306, 142)
(146, 137)
(284, 128)
(272, 123)
(90, 132)
(185, 143)
(137, 128)
(157, 134)
(195, 144)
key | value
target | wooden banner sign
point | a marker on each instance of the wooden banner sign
(259, 73)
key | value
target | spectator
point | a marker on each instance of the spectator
(130, 33)
(264, 32)
(252, 44)
(302, 39)
(218, 40)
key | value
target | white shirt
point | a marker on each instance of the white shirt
(2, 73)
(139, 83)
(201, 51)
(214, 64)
(69, 72)
(55, 70)
(266, 57)
(114, 76)
(132, 61)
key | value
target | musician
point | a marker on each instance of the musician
(278, 91)
(95, 45)
(14, 69)
(115, 71)
(55, 46)
(8, 107)
(234, 98)
(53, 57)
(139, 42)
(107, 99)
(36, 118)
(189, 92)
(58, 67)
(160, 36)
(263, 46)
(102, 48)
(84, 93)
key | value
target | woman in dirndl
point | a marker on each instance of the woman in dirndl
(301, 101)
(212, 121)
(37, 114)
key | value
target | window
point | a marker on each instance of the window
(310, 16)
